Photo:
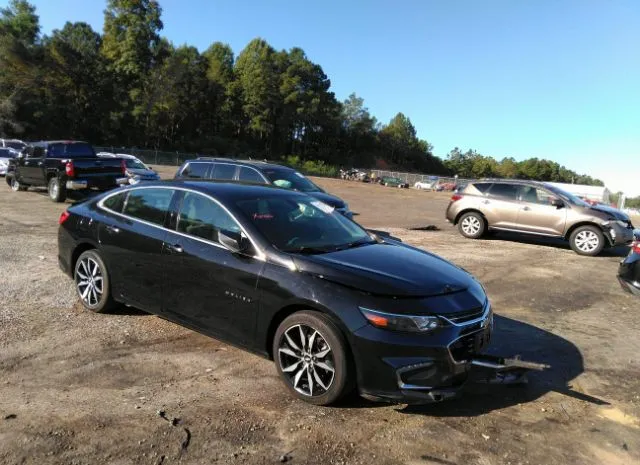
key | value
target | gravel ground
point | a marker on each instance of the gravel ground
(80, 388)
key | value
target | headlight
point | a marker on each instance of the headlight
(621, 223)
(394, 322)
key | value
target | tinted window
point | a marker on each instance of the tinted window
(505, 191)
(74, 150)
(35, 152)
(249, 175)
(482, 186)
(115, 202)
(148, 204)
(290, 179)
(301, 224)
(202, 217)
(134, 164)
(15, 144)
(8, 153)
(195, 170)
(224, 171)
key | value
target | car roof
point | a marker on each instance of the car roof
(508, 181)
(225, 190)
(252, 163)
(46, 142)
(117, 155)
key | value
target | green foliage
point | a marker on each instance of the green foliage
(311, 167)
(471, 164)
(131, 87)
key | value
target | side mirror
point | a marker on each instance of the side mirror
(235, 242)
(557, 203)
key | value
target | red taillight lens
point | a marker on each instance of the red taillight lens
(123, 165)
(455, 197)
(69, 169)
(636, 247)
(64, 217)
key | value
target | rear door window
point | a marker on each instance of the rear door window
(195, 170)
(202, 217)
(149, 205)
(482, 186)
(247, 174)
(504, 191)
(224, 171)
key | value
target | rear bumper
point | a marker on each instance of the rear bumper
(632, 287)
(81, 184)
(629, 274)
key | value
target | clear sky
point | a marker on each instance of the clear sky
(556, 79)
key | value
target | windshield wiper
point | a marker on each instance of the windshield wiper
(358, 243)
(307, 250)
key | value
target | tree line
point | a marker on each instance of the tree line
(129, 86)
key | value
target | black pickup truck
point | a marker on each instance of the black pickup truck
(65, 168)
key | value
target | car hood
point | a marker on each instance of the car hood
(143, 173)
(388, 269)
(329, 199)
(614, 212)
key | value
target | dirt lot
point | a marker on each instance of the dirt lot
(80, 388)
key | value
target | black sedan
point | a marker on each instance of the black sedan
(629, 271)
(283, 275)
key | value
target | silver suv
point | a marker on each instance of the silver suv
(531, 207)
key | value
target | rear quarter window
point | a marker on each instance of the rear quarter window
(482, 187)
(115, 202)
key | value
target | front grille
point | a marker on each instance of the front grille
(463, 349)
(464, 316)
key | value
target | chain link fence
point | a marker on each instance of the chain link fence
(154, 157)
(412, 178)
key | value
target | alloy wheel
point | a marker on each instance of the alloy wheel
(471, 225)
(53, 190)
(306, 360)
(15, 185)
(89, 281)
(587, 241)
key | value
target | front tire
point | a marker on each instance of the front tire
(312, 358)
(92, 282)
(472, 225)
(57, 192)
(587, 240)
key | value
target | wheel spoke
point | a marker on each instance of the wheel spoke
(81, 275)
(319, 380)
(324, 366)
(302, 337)
(291, 343)
(299, 374)
(311, 340)
(292, 368)
(289, 352)
(310, 380)
(84, 267)
(85, 293)
(323, 353)
(94, 295)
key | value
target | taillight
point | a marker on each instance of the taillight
(636, 247)
(64, 217)
(69, 169)
(123, 165)
(455, 197)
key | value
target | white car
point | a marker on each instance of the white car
(426, 185)
(5, 155)
(136, 170)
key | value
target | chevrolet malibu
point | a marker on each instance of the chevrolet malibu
(283, 275)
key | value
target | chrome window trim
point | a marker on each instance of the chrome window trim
(260, 253)
(266, 181)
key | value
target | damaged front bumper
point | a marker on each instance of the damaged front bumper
(618, 232)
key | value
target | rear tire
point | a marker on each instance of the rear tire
(587, 240)
(472, 225)
(17, 186)
(312, 358)
(57, 191)
(92, 282)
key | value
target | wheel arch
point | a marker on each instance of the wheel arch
(79, 250)
(470, 210)
(570, 231)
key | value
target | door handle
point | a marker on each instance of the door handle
(113, 229)
(176, 248)
(526, 209)
(486, 202)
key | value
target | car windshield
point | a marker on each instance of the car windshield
(300, 224)
(572, 199)
(71, 150)
(290, 179)
(135, 164)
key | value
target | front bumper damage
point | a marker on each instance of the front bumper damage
(617, 233)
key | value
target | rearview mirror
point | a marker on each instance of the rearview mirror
(235, 242)
(557, 203)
